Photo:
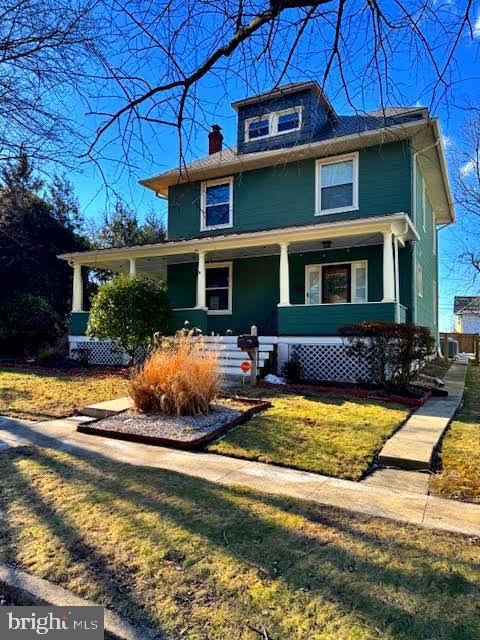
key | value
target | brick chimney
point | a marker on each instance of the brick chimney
(215, 139)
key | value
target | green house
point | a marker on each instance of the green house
(311, 221)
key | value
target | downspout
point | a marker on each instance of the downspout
(414, 201)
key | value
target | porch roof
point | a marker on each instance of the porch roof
(258, 242)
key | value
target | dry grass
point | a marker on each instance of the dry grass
(459, 478)
(42, 394)
(199, 560)
(181, 377)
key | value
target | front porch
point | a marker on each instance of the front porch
(300, 281)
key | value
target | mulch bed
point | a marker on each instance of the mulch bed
(182, 432)
(415, 399)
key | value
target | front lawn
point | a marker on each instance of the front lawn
(459, 476)
(42, 395)
(327, 434)
(203, 561)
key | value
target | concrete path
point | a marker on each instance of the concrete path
(380, 501)
(413, 446)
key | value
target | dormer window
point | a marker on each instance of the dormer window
(288, 120)
(259, 128)
(273, 124)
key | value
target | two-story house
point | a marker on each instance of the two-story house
(311, 221)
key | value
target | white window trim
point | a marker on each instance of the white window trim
(272, 118)
(320, 162)
(434, 236)
(312, 267)
(221, 312)
(203, 204)
(424, 206)
(419, 281)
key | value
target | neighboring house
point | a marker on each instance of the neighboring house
(313, 220)
(467, 314)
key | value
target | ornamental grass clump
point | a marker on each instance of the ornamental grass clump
(181, 377)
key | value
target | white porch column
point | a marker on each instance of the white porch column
(284, 276)
(201, 280)
(388, 268)
(397, 279)
(77, 296)
(133, 267)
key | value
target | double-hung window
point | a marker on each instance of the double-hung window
(272, 124)
(337, 184)
(218, 287)
(337, 283)
(216, 204)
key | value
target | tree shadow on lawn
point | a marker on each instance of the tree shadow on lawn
(164, 548)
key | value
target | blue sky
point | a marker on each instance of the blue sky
(412, 87)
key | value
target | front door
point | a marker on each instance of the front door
(328, 284)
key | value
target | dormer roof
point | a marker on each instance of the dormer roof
(285, 90)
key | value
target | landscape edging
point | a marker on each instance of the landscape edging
(178, 444)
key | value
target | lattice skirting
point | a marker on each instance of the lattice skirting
(102, 352)
(329, 362)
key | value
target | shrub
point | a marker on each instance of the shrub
(129, 311)
(292, 370)
(394, 353)
(181, 377)
(27, 325)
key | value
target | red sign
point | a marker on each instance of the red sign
(245, 367)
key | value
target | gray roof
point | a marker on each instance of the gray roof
(283, 90)
(465, 304)
(340, 127)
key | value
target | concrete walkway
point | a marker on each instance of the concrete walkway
(380, 501)
(414, 445)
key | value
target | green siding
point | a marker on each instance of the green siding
(284, 195)
(373, 254)
(182, 285)
(325, 320)
(254, 300)
(426, 259)
(255, 294)
(196, 317)
(78, 323)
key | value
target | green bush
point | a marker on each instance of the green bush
(129, 311)
(394, 353)
(28, 324)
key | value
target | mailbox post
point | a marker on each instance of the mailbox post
(248, 342)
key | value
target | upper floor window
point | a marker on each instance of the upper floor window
(273, 124)
(216, 204)
(337, 184)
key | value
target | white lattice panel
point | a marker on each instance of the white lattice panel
(102, 352)
(97, 352)
(329, 362)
